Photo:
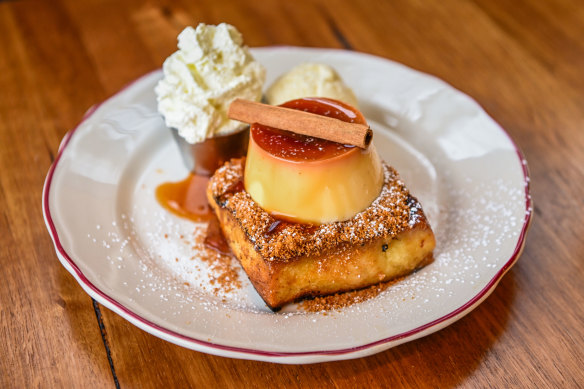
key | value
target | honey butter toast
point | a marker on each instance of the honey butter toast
(286, 261)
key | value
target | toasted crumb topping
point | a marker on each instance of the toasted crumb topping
(341, 300)
(391, 213)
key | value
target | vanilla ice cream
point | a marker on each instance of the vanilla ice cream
(310, 80)
(211, 68)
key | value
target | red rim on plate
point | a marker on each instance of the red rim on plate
(127, 313)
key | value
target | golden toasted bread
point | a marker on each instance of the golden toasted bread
(287, 261)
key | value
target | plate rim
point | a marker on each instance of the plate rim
(252, 353)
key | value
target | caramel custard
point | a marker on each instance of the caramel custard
(310, 180)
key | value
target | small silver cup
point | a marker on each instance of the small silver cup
(205, 157)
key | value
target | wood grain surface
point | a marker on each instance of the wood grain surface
(523, 61)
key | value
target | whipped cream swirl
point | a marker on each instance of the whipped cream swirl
(211, 68)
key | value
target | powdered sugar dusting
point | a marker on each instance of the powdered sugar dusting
(472, 191)
(171, 254)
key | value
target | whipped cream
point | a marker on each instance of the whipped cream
(211, 68)
(310, 80)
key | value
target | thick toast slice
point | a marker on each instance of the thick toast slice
(287, 261)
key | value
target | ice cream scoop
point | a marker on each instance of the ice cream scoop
(310, 80)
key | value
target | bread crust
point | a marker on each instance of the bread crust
(313, 268)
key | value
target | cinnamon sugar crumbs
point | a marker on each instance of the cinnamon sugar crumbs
(393, 212)
(225, 277)
(344, 299)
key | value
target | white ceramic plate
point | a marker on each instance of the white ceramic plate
(137, 260)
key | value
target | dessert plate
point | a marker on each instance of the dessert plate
(146, 264)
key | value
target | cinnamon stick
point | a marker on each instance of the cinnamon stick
(301, 122)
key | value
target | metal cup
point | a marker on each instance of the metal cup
(205, 157)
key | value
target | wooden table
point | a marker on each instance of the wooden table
(523, 61)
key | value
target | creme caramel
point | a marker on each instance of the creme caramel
(311, 180)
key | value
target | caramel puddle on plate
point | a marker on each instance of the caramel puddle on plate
(187, 199)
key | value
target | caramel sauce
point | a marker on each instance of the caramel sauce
(297, 147)
(186, 198)
(215, 238)
(275, 227)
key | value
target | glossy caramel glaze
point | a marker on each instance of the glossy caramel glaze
(186, 198)
(302, 148)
